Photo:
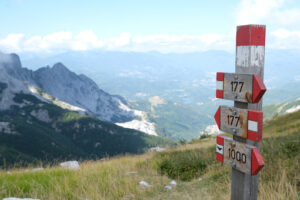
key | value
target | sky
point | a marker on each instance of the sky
(142, 25)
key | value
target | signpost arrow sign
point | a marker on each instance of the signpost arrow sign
(243, 157)
(248, 88)
(240, 122)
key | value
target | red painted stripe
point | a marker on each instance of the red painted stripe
(220, 140)
(251, 35)
(257, 161)
(219, 94)
(258, 89)
(257, 116)
(254, 136)
(217, 119)
(219, 157)
(220, 76)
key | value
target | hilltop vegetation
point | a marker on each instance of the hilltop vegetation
(41, 132)
(279, 109)
(193, 166)
(173, 119)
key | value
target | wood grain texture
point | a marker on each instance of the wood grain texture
(249, 60)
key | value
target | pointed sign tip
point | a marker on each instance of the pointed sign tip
(217, 116)
(257, 162)
(259, 88)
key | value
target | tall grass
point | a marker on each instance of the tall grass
(193, 166)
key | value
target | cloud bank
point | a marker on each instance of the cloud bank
(283, 32)
(88, 40)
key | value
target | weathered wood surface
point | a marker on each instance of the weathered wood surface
(238, 155)
(234, 121)
(250, 56)
(238, 87)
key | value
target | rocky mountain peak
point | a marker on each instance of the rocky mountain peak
(11, 61)
(78, 92)
(59, 67)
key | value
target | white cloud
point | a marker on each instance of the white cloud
(284, 39)
(12, 42)
(256, 11)
(282, 22)
(183, 43)
(87, 40)
(288, 18)
(283, 32)
(270, 12)
(54, 41)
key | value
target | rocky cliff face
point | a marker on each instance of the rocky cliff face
(81, 91)
(66, 89)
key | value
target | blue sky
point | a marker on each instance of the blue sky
(111, 18)
(132, 25)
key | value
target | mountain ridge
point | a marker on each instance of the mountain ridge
(34, 128)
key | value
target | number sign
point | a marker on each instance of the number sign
(241, 122)
(247, 88)
(244, 157)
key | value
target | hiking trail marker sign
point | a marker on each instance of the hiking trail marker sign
(245, 120)
(240, 122)
(244, 157)
(247, 88)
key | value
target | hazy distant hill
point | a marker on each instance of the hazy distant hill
(186, 77)
(281, 108)
(174, 120)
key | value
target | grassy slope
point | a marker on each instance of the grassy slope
(279, 179)
(279, 109)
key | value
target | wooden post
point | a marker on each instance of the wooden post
(250, 56)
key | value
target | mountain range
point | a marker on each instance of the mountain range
(188, 78)
(184, 78)
(44, 116)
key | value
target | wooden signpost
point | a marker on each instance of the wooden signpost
(245, 120)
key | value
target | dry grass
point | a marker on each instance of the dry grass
(279, 188)
(119, 177)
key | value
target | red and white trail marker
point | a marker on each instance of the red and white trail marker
(240, 122)
(243, 157)
(246, 88)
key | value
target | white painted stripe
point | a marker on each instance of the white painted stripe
(219, 149)
(219, 85)
(252, 125)
(247, 56)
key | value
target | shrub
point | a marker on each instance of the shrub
(183, 165)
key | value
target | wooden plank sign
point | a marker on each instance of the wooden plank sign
(240, 122)
(241, 156)
(248, 88)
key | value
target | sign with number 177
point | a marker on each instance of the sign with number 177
(246, 88)
(240, 122)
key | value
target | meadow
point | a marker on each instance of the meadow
(191, 165)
